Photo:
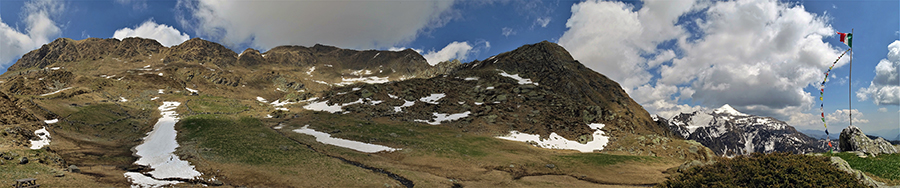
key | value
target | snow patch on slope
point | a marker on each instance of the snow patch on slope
(439, 117)
(558, 142)
(157, 152)
(522, 81)
(44, 138)
(433, 98)
(354, 145)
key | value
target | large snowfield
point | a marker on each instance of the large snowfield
(157, 152)
(558, 142)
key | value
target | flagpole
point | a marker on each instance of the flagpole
(850, 83)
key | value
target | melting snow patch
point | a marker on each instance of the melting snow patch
(55, 92)
(55, 68)
(122, 99)
(310, 71)
(558, 142)
(154, 98)
(160, 74)
(471, 78)
(141, 180)
(393, 96)
(354, 145)
(522, 81)
(369, 80)
(52, 121)
(158, 147)
(44, 136)
(361, 72)
(191, 90)
(323, 106)
(479, 103)
(161, 91)
(492, 87)
(405, 104)
(433, 98)
(321, 82)
(279, 126)
(445, 117)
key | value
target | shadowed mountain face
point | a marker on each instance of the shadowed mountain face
(104, 91)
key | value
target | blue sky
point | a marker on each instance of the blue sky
(763, 57)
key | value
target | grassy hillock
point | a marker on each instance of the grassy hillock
(765, 170)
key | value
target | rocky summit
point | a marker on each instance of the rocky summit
(729, 132)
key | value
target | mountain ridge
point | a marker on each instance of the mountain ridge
(104, 96)
(729, 132)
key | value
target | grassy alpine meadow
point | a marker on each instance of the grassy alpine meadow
(470, 159)
(245, 152)
(886, 166)
(213, 104)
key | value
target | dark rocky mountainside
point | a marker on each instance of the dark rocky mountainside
(729, 132)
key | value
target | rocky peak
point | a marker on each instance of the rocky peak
(549, 65)
(202, 51)
(727, 109)
(250, 57)
(60, 50)
(853, 139)
(134, 47)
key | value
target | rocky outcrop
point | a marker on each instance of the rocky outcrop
(842, 165)
(853, 139)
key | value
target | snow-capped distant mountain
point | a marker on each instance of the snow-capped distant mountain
(729, 132)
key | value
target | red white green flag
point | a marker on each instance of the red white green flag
(846, 38)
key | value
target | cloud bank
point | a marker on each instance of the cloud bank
(348, 24)
(166, 35)
(756, 55)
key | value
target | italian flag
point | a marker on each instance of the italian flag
(846, 38)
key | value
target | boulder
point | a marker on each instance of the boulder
(853, 139)
(73, 168)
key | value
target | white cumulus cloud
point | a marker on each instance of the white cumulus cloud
(885, 87)
(756, 55)
(40, 29)
(454, 50)
(843, 116)
(347, 24)
(162, 33)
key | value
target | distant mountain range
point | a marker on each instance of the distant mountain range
(729, 132)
